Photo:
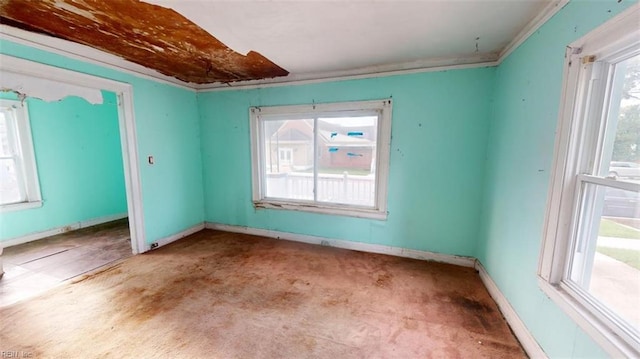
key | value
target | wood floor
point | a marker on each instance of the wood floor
(224, 295)
(37, 266)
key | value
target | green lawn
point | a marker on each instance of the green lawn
(629, 256)
(610, 228)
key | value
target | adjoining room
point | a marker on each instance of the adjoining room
(66, 225)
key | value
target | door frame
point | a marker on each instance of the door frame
(126, 121)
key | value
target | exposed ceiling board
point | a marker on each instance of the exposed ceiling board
(146, 34)
(337, 36)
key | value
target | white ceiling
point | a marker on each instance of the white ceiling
(336, 37)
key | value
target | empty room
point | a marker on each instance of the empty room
(315, 179)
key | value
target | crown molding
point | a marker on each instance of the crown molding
(532, 26)
(431, 65)
(86, 54)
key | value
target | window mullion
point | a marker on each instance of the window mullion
(626, 186)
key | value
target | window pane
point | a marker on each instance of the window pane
(347, 160)
(288, 159)
(624, 122)
(5, 145)
(606, 257)
(10, 190)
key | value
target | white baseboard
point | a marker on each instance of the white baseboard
(356, 246)
(172, 238)
(527, 340)
(62, 229)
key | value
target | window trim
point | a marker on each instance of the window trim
(607, 42)
(383, 148)
(27, 156)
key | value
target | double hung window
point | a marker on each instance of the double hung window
(330, 158)
(18, 176)
(590, 260)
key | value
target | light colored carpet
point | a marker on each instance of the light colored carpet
(223, 295)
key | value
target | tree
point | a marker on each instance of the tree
(631, 85)
(627, 143)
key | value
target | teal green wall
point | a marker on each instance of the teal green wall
(520, 154)
(167, 127)
(79, 160)
(439, 133)
(470, 161)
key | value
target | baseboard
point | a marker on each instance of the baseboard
(62, 229)
(174, 237)
(525, 337)
(356, 246)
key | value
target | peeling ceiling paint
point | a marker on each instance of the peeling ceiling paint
(150, 35)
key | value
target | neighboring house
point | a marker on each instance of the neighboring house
(290, 147)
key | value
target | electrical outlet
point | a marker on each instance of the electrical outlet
(154, 245)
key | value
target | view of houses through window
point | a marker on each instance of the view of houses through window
(340, 155)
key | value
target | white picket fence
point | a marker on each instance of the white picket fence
(336, 188)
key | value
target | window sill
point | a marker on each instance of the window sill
(20, 206)
(588, 321)
(315, 208)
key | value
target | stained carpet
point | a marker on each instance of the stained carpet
(224, 295)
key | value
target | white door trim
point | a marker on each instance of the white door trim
(126, 119)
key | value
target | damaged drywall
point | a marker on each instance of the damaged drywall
(46, 90)
(149, 35)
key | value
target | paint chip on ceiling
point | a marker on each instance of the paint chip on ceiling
(149, 35)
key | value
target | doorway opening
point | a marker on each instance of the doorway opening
(89, 213)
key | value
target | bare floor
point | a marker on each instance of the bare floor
(35, 267)
(224, 295)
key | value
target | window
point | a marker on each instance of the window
(590, 261)
(285, 155)
(328, 158)
(18, 177)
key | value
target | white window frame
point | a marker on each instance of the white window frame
(24, 156)
(576, 137)
(383, 145)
